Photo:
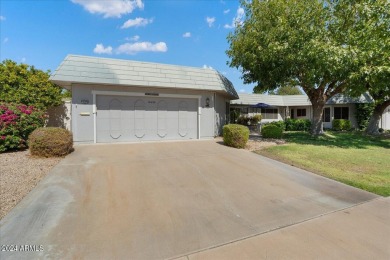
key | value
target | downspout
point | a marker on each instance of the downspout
(215, 115)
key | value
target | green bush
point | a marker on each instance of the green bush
(256, 119)
(249, 120)
(50, 142)
(297, 124)
(363, 114)
(271, 131)
(17, 121)
(279, 124)
(341, 125)
(235, 135)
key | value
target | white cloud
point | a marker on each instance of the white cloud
(226, 11)
(210, 21)
(2, 18)
(100, 49)
(133, 48)
(5, 40)
(133, 39)
(237, 20)
(112, 8)
(23, 59)
(187, 35)
(137, 22)
(207, 67)
(242, 90)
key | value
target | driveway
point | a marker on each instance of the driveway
(167, 200)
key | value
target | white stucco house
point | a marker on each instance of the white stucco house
(121, 100)
(299, 106)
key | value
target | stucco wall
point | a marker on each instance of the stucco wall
(60, 116)
(82, 108)
(385, 119)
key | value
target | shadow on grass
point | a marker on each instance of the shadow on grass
(338, 139)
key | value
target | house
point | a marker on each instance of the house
(121, 100)
(299, 106)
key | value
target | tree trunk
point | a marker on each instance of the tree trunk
(373, 125)
(316, 126)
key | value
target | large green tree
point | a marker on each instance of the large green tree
(24, 84)
(374, 56)
(308, 43)
(286, 90)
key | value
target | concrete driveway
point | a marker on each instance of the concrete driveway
(177, 199)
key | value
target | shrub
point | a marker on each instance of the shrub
(256, 119)
(271, 131)
(279, 124)
(249, 120)
(50, 142)
(363, 114)
(235, 135)
(341, 124)
(243, 120)
(17, 121)
(297, 124)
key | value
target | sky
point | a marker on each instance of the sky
(182, 32)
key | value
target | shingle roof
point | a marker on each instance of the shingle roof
(85, 69)
(295, 100)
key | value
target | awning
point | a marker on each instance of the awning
(261, 105)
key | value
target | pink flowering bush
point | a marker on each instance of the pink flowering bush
(16, 124)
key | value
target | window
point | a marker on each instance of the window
(301, 112)
(341, 113)
(244, 110)
(292, 113)
(269, 113)
(326, 114)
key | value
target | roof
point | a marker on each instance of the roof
(295, 100)
(95, 70)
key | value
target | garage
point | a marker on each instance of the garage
(117, 100)
(121, 119)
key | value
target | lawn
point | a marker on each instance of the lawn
(349, 157)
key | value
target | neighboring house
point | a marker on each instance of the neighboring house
(299, 106)
(120, 100)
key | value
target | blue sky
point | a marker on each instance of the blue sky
(183, 32)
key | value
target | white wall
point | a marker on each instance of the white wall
(385, 120)
(60, 116)
(82, 104)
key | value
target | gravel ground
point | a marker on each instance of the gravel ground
(19, 174)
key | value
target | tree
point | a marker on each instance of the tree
(374, 53)
(307, 43)
(286, 90)
(24, 84)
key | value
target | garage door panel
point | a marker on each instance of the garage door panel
(162, 118)
(139, 118)
(121, 119)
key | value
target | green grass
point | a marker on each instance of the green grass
(349, 157)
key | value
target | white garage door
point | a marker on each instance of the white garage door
(122, 118)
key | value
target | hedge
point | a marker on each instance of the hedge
(271, 131)
(235, 135)
(50, 142)
(341, 125)
(297, 124)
